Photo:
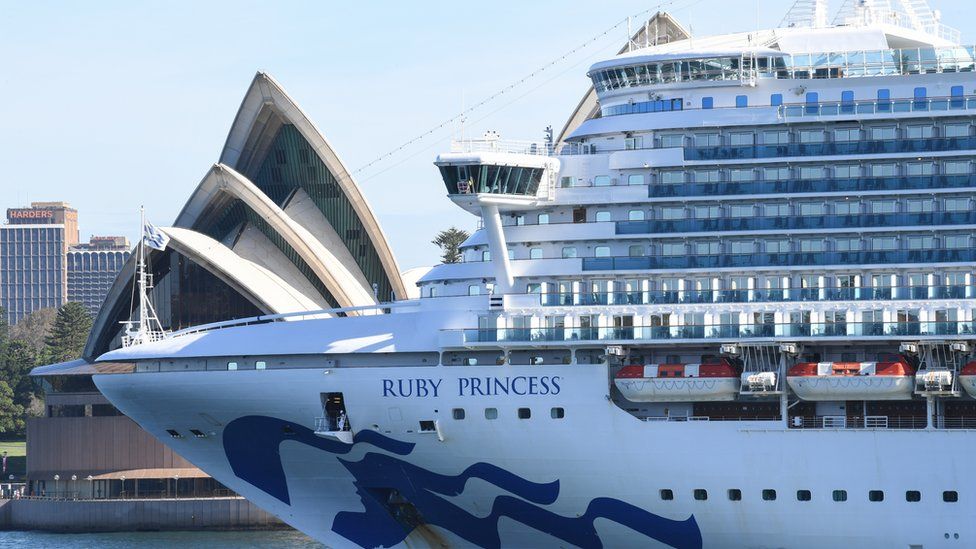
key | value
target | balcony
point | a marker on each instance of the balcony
(717, 332)
(785, 259)
(798, 222)
(811, 186)
(833, 148)
(759, 295)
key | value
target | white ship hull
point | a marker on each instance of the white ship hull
(591, 479)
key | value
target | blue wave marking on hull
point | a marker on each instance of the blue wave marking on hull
(252, 447)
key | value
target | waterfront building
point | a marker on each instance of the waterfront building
(33, 244)
(92, 269)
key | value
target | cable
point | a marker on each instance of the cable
(510, 87)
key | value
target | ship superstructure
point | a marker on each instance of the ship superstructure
(734, 307)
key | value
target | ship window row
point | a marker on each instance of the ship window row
(778, 245)
(838, 496)
(820, 134)
(555, 412)
(834, 171)
(825, 65)
(868, 286)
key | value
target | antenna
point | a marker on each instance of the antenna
(806, 13)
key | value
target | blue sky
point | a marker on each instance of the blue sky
(109, 105)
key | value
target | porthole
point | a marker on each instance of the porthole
(840, 495)
(260, 365)
(735, 494)
(491, 413)
(231, 365)
(950, 496)
(667, 494)
(701, 494)
(803, 495)
(913, 496)
(876, 495)
(457, 413)
(557, 413)
(524, 413)
(769, 495)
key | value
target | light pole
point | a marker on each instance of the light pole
(56, 479)
(74, 485)
(122, 492)
(91, 485)
(176, 482)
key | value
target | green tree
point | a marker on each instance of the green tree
(4, 329)
(449, 241)
(11, 413)
(16, 363)
(34, 329)
(68, 335)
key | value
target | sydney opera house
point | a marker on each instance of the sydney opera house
(277, 225)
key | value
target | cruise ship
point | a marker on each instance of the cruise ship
(731, 304)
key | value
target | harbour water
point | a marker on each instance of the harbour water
(281, 539)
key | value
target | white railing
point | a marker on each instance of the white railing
(538, 148)
(379, 308)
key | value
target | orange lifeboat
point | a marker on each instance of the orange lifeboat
(967, 378)
(678, 382)
(894, 380)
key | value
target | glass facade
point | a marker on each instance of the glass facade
(32, 269)
(91, 274)
(487, 178)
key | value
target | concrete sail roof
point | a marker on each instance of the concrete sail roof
(259, 285)
(245, 143)
(348, 289)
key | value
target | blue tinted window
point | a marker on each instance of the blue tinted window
(813, 97)
(884, 94)
(776, 99)
(741, 101)
(920, 93)
(847, 96)
(956, 91)
(707, 102)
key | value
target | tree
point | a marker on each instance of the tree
(33, 330)
(449, 241)
(4, 329)
(67, 338)
(11, 413)
(17, 361)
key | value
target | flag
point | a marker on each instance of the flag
(153, 237)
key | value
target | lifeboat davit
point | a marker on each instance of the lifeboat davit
(893, 380)
(967, 378)
(678, 382)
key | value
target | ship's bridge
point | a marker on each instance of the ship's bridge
(506, 174)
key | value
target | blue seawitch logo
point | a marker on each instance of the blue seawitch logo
(398, 495)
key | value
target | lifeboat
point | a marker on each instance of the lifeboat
(893, 380)
(678, 382)
(967, 378)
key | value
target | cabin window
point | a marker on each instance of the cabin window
(876, 495)
(231, 365)
(474, 289)
(635, 179)
(579, 215)
(667, 494)
(198, 433)
(701, 494)
(602, 181)
(776, 99)
(741, 101)
(840, 495)
(535, 253)
(569, 252)
(543, 219)
(491, 413)
(458, 413)
(174, 433)
(557, 413)
(769, 495)
(708, 102)
(601, 251)
(913, 496)
(950, 496)
(602, 216)
(735, 494)
(524, 413)
(803, 495)
(260, 365)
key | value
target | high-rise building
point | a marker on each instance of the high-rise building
(33, 245)
(92, 269)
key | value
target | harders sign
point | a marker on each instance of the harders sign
(30, 214)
